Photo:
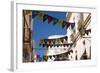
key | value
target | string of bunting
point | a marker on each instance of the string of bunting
(45, 57)
(54, 42)
(56, 21)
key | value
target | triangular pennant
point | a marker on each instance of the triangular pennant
(58, 40)
(57, 56)
(59, 23)
(40, 15)
(66, 38)
(50, 57)
(90, 30)
(49, 40)
(62, 39)
(61, 45)
(53, 40)
(72, 25)
(84, 56)
(55, 20)
(54, 56)
(57, 45)
(47, 45)
(46, 57)
(86, 32)
(43, 58)
(51, 46)
(68, 52)
(38, 56)
(64, 45)
(43, 45)
(50, 18)
(67, 24)
(67, 45)
(45, 40)
(34, 14)
(41, 41)
(63, 24)
(45, 17)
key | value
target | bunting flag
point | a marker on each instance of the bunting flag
(54, 56)
(55, 20)
(57, 45)
(61, 39)
(63, 24)
(50, 46)
(88, 31)
(45, 58)
(40, 15)
(67, 45)
(45, 17)
(41, 41)
(43, 45)
(47, 45)
(72, 25)
(50, 57)
(58, 40)
(54, 42)
(66, 38)
(45, 41)
(58, 57)
(50, 41)
(59, 22)
(38, 56)
(34, 14)
(50, 19)
(67, 24)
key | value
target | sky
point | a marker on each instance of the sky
(41, 30)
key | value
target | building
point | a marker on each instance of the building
(78, 45)
(27, 36)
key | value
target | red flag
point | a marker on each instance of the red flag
(50, 19)
(67, 24)
(49, 40)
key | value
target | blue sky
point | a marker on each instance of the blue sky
(43, 29)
